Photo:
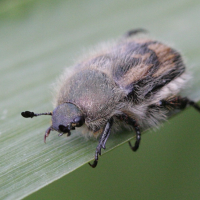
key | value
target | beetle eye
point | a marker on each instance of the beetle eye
(79, 121)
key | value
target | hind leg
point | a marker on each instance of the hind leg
(134, 32)
(179, 102)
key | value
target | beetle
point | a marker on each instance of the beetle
(134, 81)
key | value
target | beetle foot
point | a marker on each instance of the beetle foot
(94, 164)
(135, 147)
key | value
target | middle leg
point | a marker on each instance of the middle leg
(134, 124)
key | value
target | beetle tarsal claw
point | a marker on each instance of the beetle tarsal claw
(94, 164)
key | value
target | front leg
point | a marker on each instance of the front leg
(134, 124)
(102, 141)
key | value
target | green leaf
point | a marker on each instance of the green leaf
(38, 39)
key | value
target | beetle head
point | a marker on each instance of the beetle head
(65, 118)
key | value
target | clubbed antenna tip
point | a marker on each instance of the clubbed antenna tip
(28, 114)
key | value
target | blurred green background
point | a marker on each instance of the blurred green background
(39, 38)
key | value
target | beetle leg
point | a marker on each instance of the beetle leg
(138, 137)
(179, 102)
(134, 32)
(102, 142)
(134, 124)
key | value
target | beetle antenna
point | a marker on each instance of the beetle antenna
(28, 114)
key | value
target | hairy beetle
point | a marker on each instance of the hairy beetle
(134, 81)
